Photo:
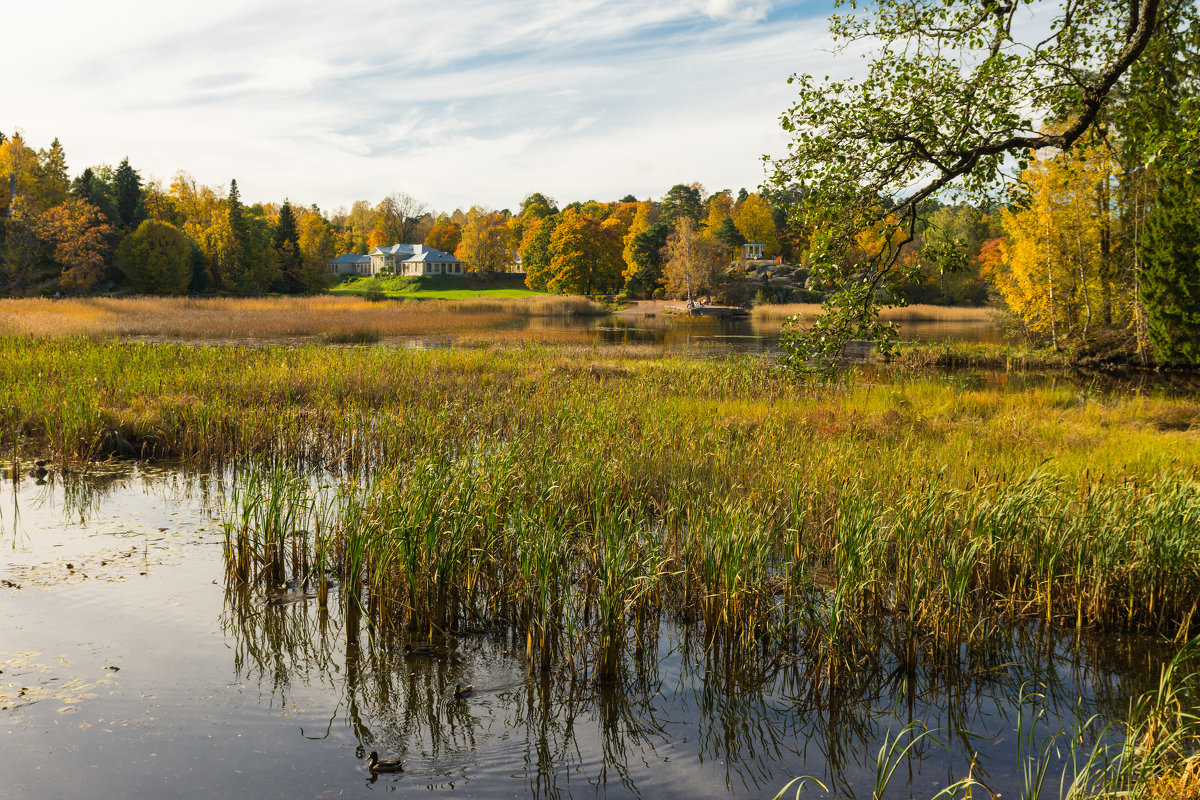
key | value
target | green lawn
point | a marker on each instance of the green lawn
(438, 287)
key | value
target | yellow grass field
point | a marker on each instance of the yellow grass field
(269, 317)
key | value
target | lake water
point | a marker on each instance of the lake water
(681, 334)
(130, 668)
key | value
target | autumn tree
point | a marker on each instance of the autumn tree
(484, 247)
(317, 246)
(1054, 279)
(76, 238)
(753, 219)
(690, 262)
(54, 182)
(535, 252)
(397, 217)
(644, 217)
(719, 207)
(158, 203)
(444, 235)
(156, 258)
(261, 258)
(538, 205)
(20, 178)
(585, 255)
(953, 87)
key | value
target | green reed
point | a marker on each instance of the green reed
(570, 496)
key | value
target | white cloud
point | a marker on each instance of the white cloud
(456, 103)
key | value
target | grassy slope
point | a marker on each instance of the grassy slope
(438, 287)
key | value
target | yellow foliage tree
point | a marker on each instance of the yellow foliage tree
(645, 216)
(1058, 276)
(720, 206)
(484, 246)
(753, 219)
(691, 262)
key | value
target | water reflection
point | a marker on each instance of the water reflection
(279, 692)
(676, 333)
(682, 710)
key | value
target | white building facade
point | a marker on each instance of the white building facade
(398, 259)
(414, 259)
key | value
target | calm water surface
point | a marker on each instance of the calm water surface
(128, 668)
(680, 334)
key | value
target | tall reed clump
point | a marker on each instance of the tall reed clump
(506, 536)
(273, 525)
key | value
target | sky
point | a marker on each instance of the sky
(457, 103)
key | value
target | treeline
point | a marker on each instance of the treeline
(591, 247)
(1097, 252)
(108, 228)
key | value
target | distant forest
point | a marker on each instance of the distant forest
(109, 229)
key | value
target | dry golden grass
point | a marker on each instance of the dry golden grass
(272, 317)
(913, 313)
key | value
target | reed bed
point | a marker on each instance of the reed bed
(573, 497)
(270, 317)
(913, 313)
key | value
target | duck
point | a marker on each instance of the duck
(419, 650)
(462, 692)
(375, 765)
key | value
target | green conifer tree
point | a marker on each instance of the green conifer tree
(236, 274)
(1170, 278)
(286, 240)
(128, 190)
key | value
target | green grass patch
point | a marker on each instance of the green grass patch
(437, 287)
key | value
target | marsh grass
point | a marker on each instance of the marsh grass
(269, 317)
(356, 335)
(912, 313)
(573, 497)
(950, 355)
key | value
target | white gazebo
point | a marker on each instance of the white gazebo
(752, 251)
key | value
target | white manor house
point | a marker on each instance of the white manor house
(397, 259)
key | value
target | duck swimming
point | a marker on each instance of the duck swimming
(462, 692)
(375, 765)
(420, 650)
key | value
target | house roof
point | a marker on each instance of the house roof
(414, 252)
(429, 254)
(397, 250)
(350, 258)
